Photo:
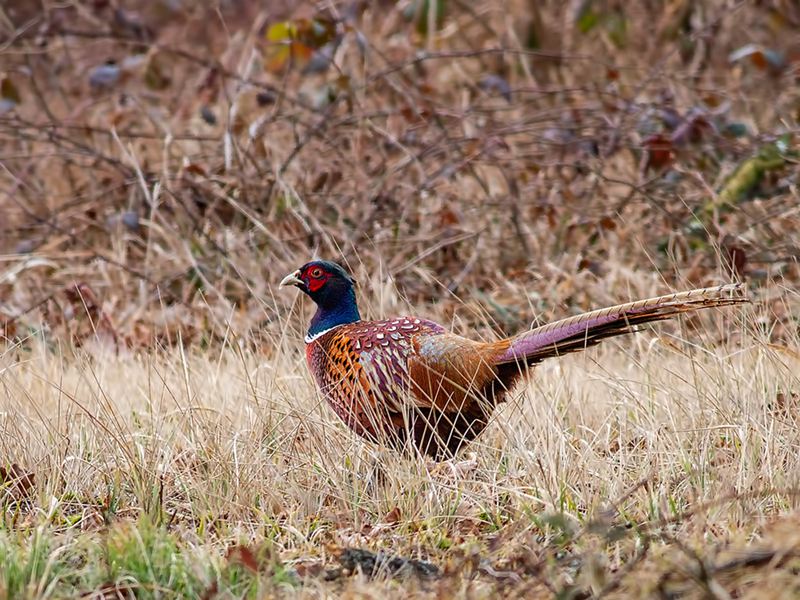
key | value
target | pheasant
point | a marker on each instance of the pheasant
(408, 380)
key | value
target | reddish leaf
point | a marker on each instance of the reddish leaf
(320, 181)
(301, 52)
(736, 257)
(211, 591)
(9, 95)
(316, 32)
(8, 326)
(8, 91)
(659, 153)
(83, 302)
(17, 481)
(607, 222)
(243, 555)
(196, 169)
(309, 569)
(712, 100)
(786, 403)
(692, 130)
(762, 58)
(448, 217)
(393, 516)
(277, 57)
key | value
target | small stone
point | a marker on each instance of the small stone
(105, 76)
(130, 219)
(25, 247)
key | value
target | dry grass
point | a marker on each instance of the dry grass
(159, 434)
(658, 464)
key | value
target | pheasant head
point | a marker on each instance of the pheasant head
(331, 289)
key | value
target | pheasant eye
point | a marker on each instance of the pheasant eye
(316, 273)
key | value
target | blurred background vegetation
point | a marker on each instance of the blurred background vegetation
(165, 162)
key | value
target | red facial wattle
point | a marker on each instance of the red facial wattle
(315, 284)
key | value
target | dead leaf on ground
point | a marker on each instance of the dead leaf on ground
(16, 481)
(244, 556)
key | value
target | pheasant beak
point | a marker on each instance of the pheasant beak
(293, 279)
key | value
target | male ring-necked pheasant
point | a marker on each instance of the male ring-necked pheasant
(408, 379)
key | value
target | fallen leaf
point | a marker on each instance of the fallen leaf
(9, 94)
(243, 555)
(393, 516)
(762, 58)
(17, 481)
(659, 153)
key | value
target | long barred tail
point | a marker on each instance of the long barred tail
(576, 333)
